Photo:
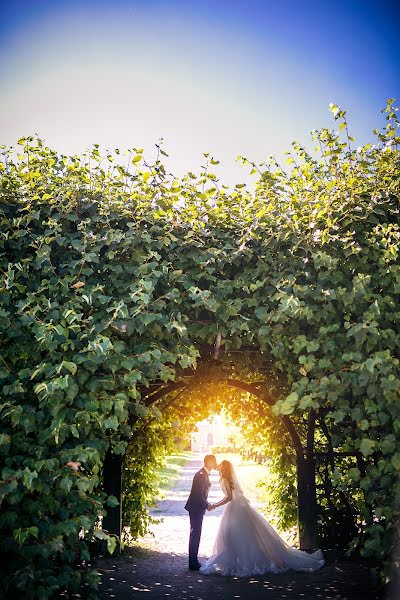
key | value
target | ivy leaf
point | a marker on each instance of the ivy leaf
(354, 473)
(396, 461)
(72, 367)
(66, 484)
(112, 501)
(289, 404)
(367, 446)
(111, 544)
(111, 423)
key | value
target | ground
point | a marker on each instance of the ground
(156, 567)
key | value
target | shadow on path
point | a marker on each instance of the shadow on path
(151, 575)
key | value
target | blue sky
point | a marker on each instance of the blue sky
(238, 77)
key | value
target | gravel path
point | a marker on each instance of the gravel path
(156, 568)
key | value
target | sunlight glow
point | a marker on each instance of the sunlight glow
(216, 431)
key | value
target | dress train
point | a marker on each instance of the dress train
(246, 544)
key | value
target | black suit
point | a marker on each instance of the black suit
(197, 505)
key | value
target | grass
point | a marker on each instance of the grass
(168, 475)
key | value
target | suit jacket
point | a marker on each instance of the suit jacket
(197, 501)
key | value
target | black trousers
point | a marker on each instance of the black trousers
(196, 523)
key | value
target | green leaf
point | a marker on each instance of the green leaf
(111, 423)
(29, 477)
(66, 484)
(354, 473)
(60, 331)
(112, 501)
(34, 531)
(367, 446)
(313, 346)
(289, 404)
(396, 461)
(20, 535)
(72, 368)
(5, 439)
(111, 544)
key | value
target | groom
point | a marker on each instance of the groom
(197, 505)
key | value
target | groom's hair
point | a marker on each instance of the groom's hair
(209, 457)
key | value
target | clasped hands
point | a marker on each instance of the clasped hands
(210, 507)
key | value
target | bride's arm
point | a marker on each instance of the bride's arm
(224, 500)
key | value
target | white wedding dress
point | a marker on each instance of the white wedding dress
(246, 544)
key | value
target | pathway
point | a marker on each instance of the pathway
(156, 568)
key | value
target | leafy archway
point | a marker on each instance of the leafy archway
(113, 281)
(196, 394)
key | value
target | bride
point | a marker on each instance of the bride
(246, 544)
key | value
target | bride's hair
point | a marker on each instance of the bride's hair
(226, 472)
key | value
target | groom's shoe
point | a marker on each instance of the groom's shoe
(195, 567)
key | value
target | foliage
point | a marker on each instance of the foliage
(117, 278)
(151, 440)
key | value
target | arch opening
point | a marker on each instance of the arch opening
(248, 392)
